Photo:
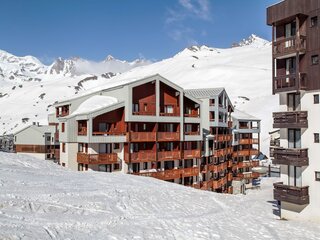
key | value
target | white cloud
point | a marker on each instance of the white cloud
(176, 19)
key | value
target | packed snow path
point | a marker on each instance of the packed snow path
(41, 200)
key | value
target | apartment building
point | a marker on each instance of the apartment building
(37, 141)
(296, 79)
(246, 148)
(148, 127)
(217, 168)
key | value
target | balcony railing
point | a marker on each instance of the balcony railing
(162, 175)
(96, 133)
(248, 164)
(248, 175)
(275, 142)
(291, 156)
(145, 108)
(249, 141)
(192, 133)
(288, 46)
(290, 83)
(141, 156)
(296, 119)
(82, 131)
(169, 155)
(170, 112)
(245, 152)
(102, 158)
(190, 154)
(188, 172)
(142, 136)
(192, 114)
(223, 138)
(291, 194)
(168, 136)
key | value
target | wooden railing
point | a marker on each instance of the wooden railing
(289, 45)
(250, 164)
(188, 172)
(223, 138)
(169, 155)
(291, 156)
(291, 194)
(290, 82)
(192, 133)
(295, 119)
(189, 154)
(108, 133)
(248, 175)
(193, 114)
(141, 137)
(102, 158)
(245, 152)
(142, 156)
(168, 136)
(249, 141)
(145, 108)
(82, 131)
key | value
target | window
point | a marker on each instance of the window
(168, 109)
(48, 138)
(316, 99)
(314, 21)
(63, 147)
(145, 166)
(62, 127)
(317, 176)
(116, 146)
(315, 59)
(63, 164)
(316, 137)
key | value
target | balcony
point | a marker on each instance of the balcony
(296, 119)
(248, 175)
(169, 155)
(144, 108)
(82, 131)
(194, 114)
(249, 141)
(223, 138)
(141, 137)
(288, 47)
(168, 136)
(190, 154)
(291, 156)
(171, 110)
(189, 172)
(109, 133)
(289, 83)
(219, 183)
(162, 175)
(141, 156)
(102, 158)
(248, 164)
(291, 194)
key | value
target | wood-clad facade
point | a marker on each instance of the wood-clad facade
(296, 78)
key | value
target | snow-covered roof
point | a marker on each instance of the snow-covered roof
(237, 114)
(39, 128)
(205, 92)
(94, 103)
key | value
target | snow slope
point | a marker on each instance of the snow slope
(41, 200)
(245, 72)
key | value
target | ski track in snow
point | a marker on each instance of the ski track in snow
(41, 200)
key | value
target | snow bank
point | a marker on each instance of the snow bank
(41, 200)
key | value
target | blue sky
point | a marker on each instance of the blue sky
(126, 29)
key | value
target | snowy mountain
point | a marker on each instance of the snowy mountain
(245, 72)
(42, 200)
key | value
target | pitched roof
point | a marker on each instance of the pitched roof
(39, 128)
(205, 92)
(237, 114)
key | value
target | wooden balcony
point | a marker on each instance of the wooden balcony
(145, 108)
(249, 141)
(168, 136)
(289, 46)
(291, 156)
(289, 83)
(229, 176)
(175, 111)
(169, 155)
(248, 175)
(188, 172)
(141, 137)
(162, 175)
(223, 152)
(219, 183)
(291, 194)
(193, 115)
(108, 133)
(245, 152)
(141, 156)
(296, 119)
(223, 138)
(190, 154)
(82, 131)
(248, 164)
(102, 158)
(192, 133)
